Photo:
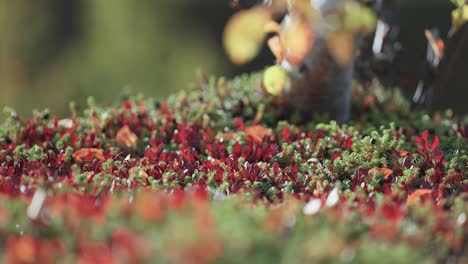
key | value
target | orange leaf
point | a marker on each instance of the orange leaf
(141, 173)
(414, 197)
(341, 46)
(21, 249)
(274, 43)
(226, 136)
(386, 172)
(403, 153)
(257, 133)
(297, 37)
(89, 176)
(150, 207)
(369, 100)
(273, 222)
(82, 154)
(126, 137)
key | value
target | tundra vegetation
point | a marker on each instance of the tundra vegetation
(231, 172)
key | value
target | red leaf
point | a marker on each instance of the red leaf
(237, 149)
(286, 133)
(335, 155)
(435, 143)
(419, 141)
(392, 212)
(425, 135)
(129, 246)
(239, 123)
(275, 167)
(96, 253)
(439, 157)
(348, 143)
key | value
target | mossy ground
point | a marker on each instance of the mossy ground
(224, 173)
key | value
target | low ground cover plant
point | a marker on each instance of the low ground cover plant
(217, 175)
(244, 170)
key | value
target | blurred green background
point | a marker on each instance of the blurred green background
(55, 51)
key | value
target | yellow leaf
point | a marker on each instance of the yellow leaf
(358, 18)
(297, 37)
(341, 46)
(244, 34)
(272, 26)
(275, 80)
(460, 15)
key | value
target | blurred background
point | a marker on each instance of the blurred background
(55, 51)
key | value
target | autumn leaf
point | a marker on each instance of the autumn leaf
(275, 80)
(274, 43)
(150, 206)
(140, 173)
(297, 38)
(341, 46)
(244, 34)
(304, 8)
(369, 100)
(21, 249)
(436, 44)
(95, 252)
(129, 246)
(460, 15)
(126, 137)
(226, 136)
(414, 197)
(257, 133)
(403, 153)
(458, 3)
(272, 27)
(386, 172)
(274, 220)
(83, 154)
(357, 18)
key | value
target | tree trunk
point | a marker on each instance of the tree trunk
(322, 85)
(450, 88)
